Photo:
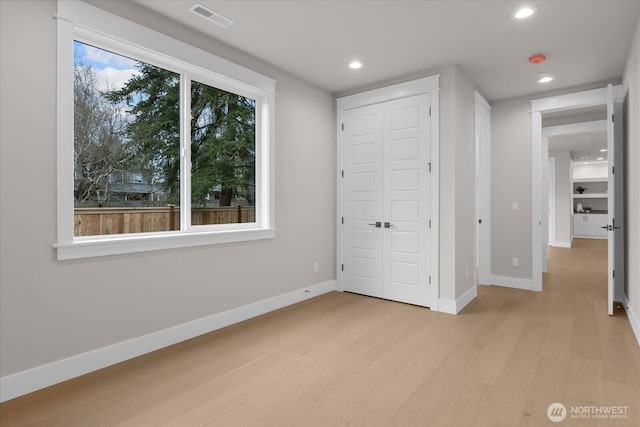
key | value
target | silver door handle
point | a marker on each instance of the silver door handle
(389, 225)
(377, 224)
(610, 227)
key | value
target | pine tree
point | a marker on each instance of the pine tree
(222, 135)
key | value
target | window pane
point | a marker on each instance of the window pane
(223, 129)
(126, 144)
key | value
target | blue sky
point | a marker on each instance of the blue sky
(112, 70)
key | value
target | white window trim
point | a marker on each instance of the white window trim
(79, 21)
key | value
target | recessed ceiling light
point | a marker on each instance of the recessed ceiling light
(604, 150)
(600, 158)
(545, 78)
(524, 12)
(354, 65)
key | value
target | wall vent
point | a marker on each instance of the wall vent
(209, 14)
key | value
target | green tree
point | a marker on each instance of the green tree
(222, 144)
(153, 130)
(222, 135)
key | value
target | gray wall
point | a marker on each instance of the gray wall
(564, 210)
(52, 310)
(631, 83)
(511, 182)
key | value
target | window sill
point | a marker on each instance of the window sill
(126, 244)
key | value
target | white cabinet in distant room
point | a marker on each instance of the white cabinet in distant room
(579, 225)
(590, 226)
(590, 187)
(595, 224)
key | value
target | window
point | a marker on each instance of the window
(170, 146)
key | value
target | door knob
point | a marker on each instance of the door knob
(389, 225)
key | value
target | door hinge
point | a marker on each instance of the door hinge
(429, 223)
(479, 221)
(342, 126)
(429, 279)
(614, 273)
(613, 170)
(342, 267)
(429, 111)
(343, 173)
(429, 164)
(342, 220)
(612, 117)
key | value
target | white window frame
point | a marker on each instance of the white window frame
(79, 21)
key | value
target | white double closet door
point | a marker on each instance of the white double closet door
(386, 190)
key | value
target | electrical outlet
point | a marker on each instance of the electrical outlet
(515, 262)
(515, 206)
(316, 267)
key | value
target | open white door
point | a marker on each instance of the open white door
(615, 206)
(611, 202)
(619, 229)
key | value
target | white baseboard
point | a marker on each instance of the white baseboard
(455, 306)
(561, 244)
(633, 319)
(512, 282)
(21, 383)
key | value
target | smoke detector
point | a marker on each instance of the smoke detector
(209, 14)
(537, 58)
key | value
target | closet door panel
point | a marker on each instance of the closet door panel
(362, 186)
(406, 200)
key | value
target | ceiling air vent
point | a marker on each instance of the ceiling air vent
(209, 14)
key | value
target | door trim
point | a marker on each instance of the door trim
(427, 85)
(589, 98)
(553, 212)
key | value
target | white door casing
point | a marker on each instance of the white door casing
(553, 241)
(482, 129)
(387, 193)
(589, 98)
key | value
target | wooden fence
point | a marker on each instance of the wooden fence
(101, 221)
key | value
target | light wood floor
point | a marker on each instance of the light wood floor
(344, 359)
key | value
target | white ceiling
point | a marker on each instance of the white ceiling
(586, 41)
(582, 147)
